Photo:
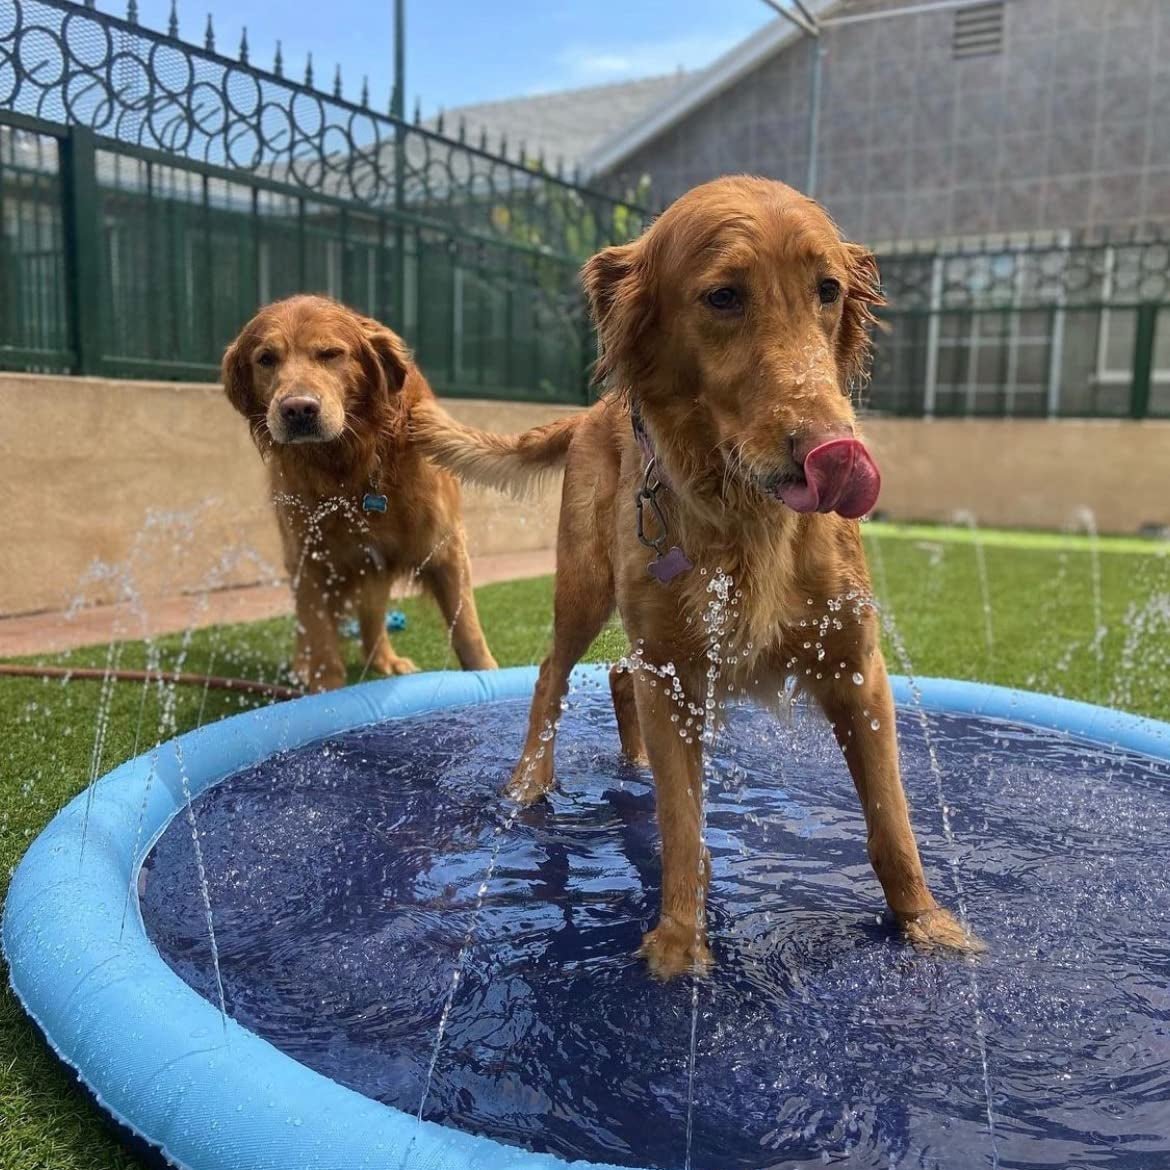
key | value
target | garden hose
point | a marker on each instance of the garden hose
(244, 686)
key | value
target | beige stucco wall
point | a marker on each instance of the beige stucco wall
(161, 482)
(1025, 473)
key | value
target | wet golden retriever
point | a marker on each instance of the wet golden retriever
(713, 495)
(327, 394)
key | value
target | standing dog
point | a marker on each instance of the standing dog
(731, 334)
(328, 394)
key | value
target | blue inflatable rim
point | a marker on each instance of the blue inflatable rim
(209, 1094)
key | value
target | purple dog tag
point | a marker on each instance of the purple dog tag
(665, 568)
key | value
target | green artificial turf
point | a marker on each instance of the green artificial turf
(1046, 635)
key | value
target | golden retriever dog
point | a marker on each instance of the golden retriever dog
(713, 494)
(328, 394)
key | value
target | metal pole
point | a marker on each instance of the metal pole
(807, 23)
(803, 10)
(886, 13)
(81, 217)
(807, 27)
(814, 114)
(398, 110)
(398, 94)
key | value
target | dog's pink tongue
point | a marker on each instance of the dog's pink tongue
(840, 476)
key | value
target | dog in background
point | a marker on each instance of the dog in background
(722, 465)
(328, 394)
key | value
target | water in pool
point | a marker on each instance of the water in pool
(346, 880)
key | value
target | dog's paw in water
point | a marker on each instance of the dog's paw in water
(393, 664)
(532, 780)
(939, 929)
(672, 949)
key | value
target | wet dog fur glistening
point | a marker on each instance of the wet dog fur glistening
(327, 394)
(734, 329)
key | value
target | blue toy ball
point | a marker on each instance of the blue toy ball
(395, 620)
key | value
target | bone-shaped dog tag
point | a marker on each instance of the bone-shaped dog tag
(665, 568)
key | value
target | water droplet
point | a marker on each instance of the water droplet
(858, 678)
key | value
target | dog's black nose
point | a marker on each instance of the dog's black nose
(300, 411)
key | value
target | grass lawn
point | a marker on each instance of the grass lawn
(1046, 635)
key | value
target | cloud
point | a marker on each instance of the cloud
(581, 65)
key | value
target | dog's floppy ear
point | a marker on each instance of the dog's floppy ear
(614, 281)
(236, 374)
(863, 293)
(390, 351)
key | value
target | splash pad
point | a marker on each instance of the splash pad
(394, 943)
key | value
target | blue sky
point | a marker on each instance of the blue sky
(464, 51)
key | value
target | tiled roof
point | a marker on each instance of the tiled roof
(566, 124)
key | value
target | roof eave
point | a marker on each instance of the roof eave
(736, 63)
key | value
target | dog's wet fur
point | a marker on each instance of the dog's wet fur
(736, 327)
(328, 394)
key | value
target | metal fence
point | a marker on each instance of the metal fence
(154, 193)
(1062, 328)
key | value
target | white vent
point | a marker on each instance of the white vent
(978, 30)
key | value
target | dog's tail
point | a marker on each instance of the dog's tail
(510, 462)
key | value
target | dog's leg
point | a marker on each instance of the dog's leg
(621, 687)
(448, 579)
(863, 722)
(679, 942)
(318, 663)
(381, 656)
(583, 601)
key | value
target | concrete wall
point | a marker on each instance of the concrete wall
(161, 483)
(1066, 128)
(1025, 473)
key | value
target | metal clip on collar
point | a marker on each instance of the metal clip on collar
(667, 563)
(648, 494)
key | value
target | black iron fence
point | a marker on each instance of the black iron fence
(154, 193)
(1031, 329)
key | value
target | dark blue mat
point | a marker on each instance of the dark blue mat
(345, 883)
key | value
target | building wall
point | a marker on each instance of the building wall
(1069, 127)
(160, 484)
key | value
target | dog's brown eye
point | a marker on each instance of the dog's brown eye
(725, 299)
(266, 359)
(829, 290)
(327, 355)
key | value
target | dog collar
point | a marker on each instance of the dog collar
(374, 500)
(671, 562)
(641, 434)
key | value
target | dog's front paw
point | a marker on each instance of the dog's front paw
(393, 664)
(940, 929)
(672, 949)
(532, 779)
(316, 677)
